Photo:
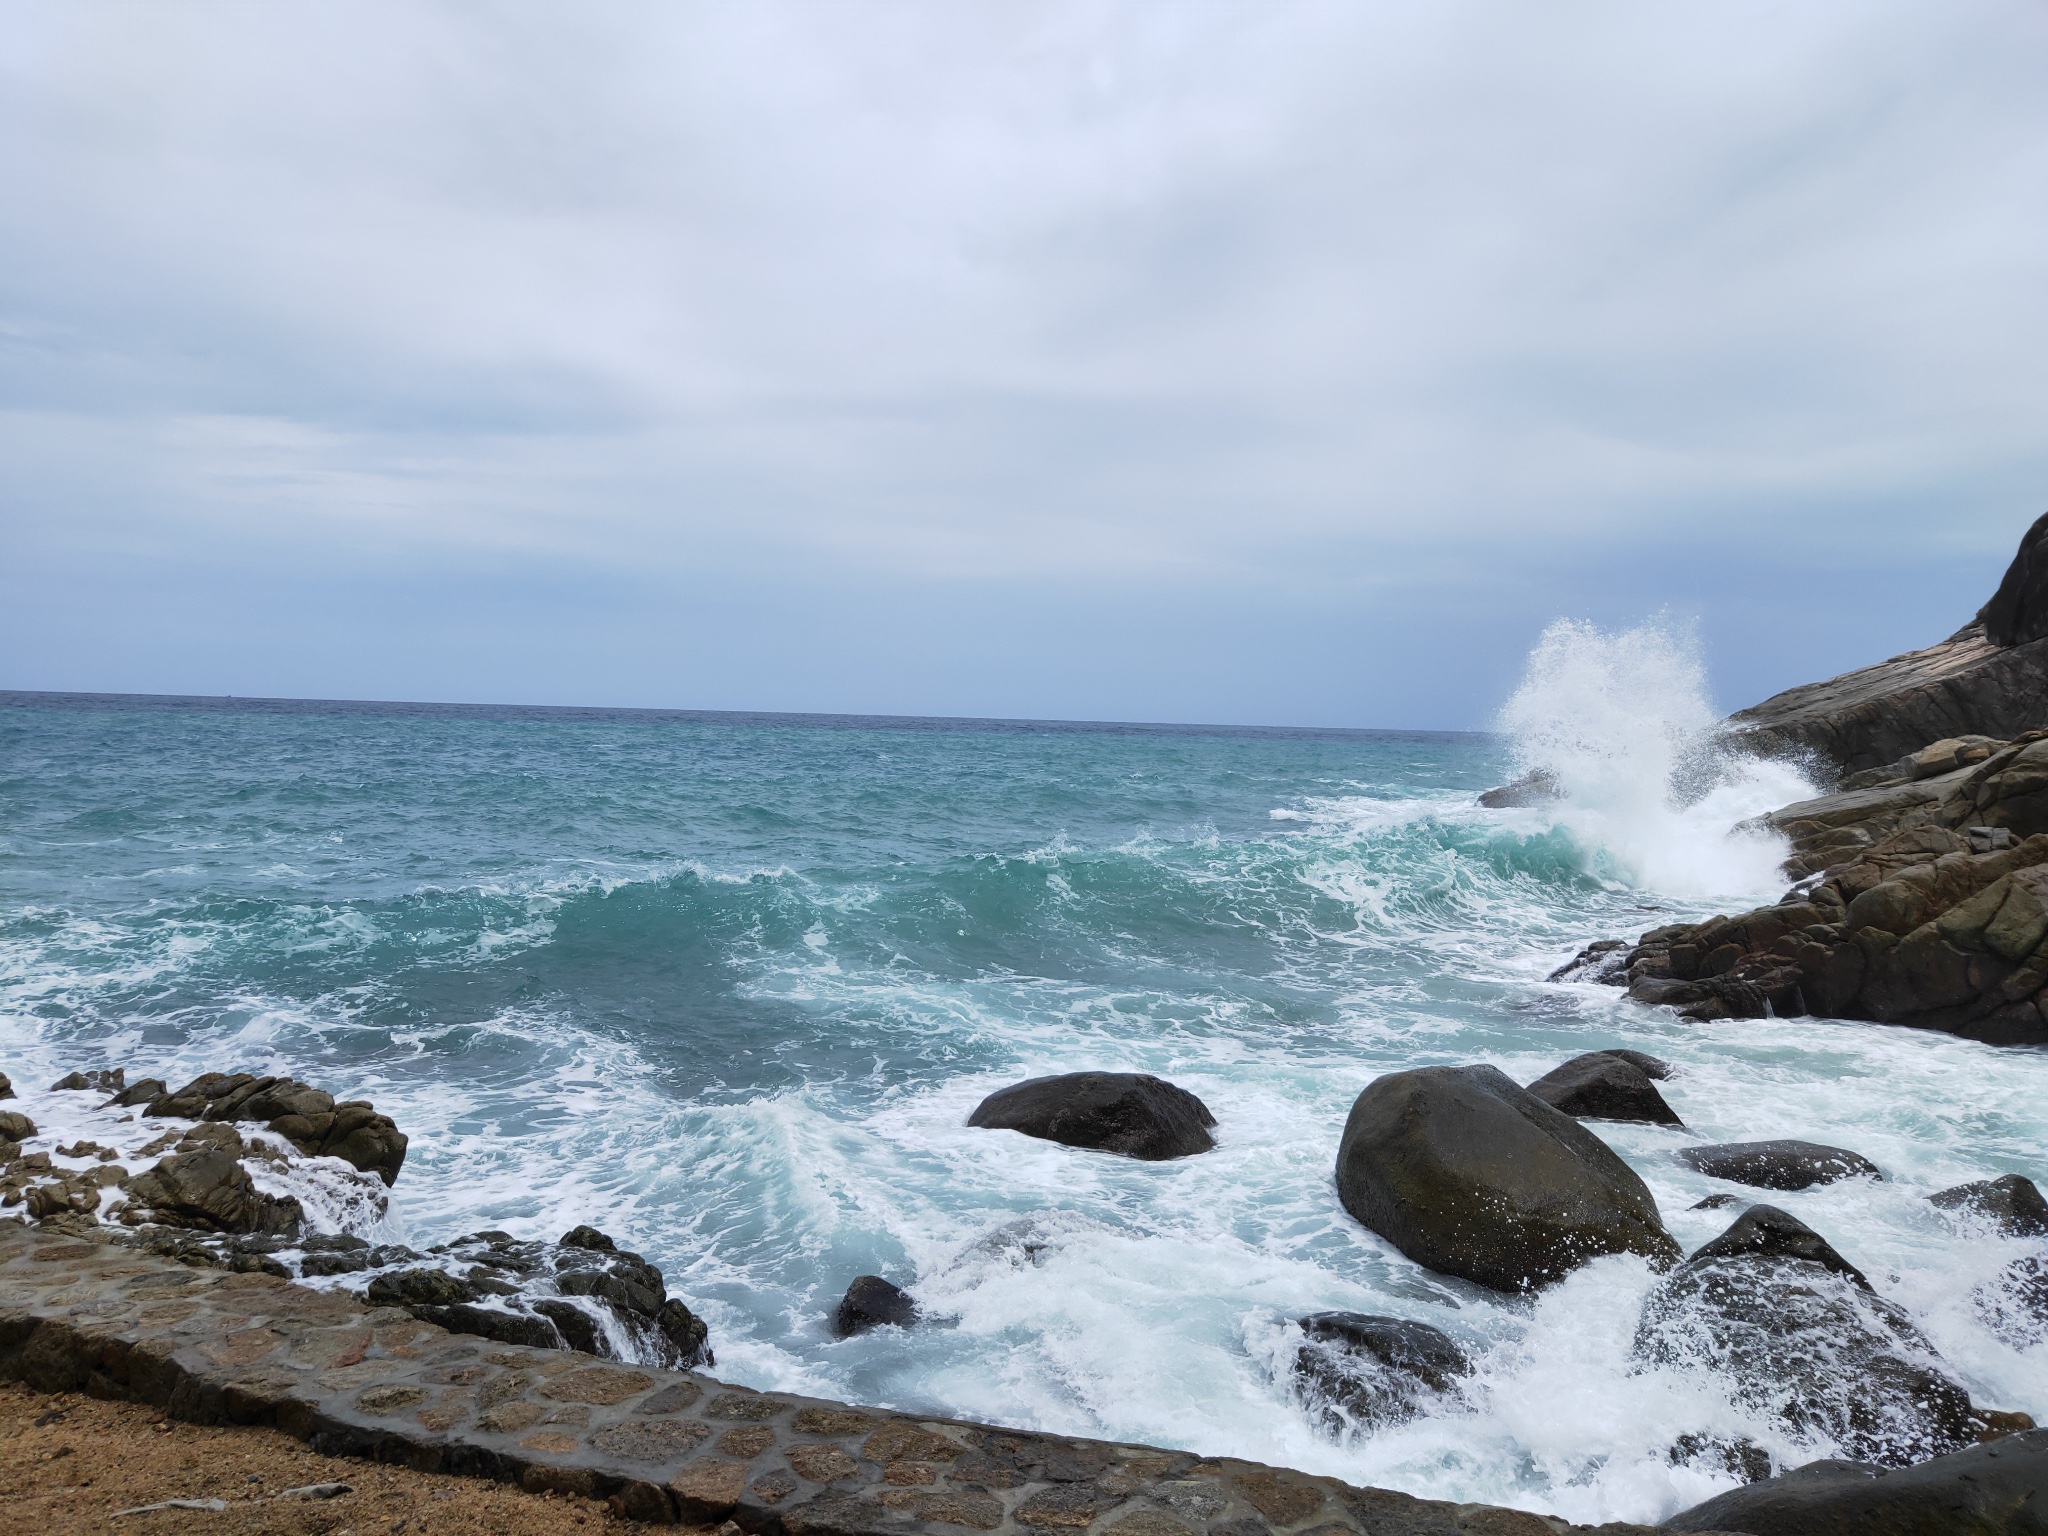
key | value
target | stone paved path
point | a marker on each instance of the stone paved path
(216, 1347)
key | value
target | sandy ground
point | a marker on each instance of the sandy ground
(68, 1463)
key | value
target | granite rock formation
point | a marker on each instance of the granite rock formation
(1606, 1085)
(1990, 678)
(1795, 1331)
(1357, 1370)
(307, 1117)
(1471, 1175)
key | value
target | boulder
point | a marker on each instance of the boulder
(15, 1126)
(2015, 1304)
(1795, 1332)
(140, 1093)
(1129, 1112)
(6, 1086)
(1537, 787)
(872, 1302)
(2012, 1203)
(1357, 1370)
(1778, 1164)
(207, 1191)
(1604, 1085)
(1470, 1175)
(1996, 1489)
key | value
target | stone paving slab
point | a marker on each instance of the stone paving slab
(663, 1446)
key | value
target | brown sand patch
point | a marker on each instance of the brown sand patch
(68, 1462)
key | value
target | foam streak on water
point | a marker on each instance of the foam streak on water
(729, 987)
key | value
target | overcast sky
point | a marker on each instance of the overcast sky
(1263, 362)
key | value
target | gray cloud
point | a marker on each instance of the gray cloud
(1394, 330)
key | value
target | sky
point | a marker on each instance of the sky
(1272, 362)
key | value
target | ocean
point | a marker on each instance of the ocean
(728, 987)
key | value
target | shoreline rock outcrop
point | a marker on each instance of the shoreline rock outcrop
(1469, 1174)
(1132, 1113)
(1795, 1331)
(1360, 1370)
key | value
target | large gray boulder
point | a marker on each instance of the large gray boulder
(1129, 1112)
(1793, 1330)
(1996, 1489)
(1471, 1175)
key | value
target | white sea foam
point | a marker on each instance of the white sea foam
(1620, 722)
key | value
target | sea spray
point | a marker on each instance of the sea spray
(1620, 726)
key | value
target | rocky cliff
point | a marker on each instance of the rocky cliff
(1990, 678)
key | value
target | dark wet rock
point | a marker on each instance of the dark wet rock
(872, 1302)
(1996, 1489)
(1604, 960)
(1794, 1331)
(1764, 1231)
(15, 1126)
(1128, 1112)
(1778, 1164)
(1356, 1370)
(1604, 1085)
(140, 1093)
(587, 1294)
(1655, 1067)
(6, 1086)
(1715, 1203)
(2012, 1203)
(101, 1082)
(1740, 1457)
(2015, 1304)
(307, 1117)
(1470, 1175)
(207, 1191)
(1537, 787)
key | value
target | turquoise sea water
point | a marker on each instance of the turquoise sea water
(728, 987)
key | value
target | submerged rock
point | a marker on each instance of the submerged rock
(1996, 1489)
(1359, 1370)
(1605, 1085)
(583, 1293)
(1784, 1165)
(1794, 1331)
(1537, 787)
(1129, 1112)
(1470, 1175)
(2012, 1203)
(872, 1302)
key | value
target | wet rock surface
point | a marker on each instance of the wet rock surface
(872, 1302)
(583, 1293)
(1605, 1085)
(1996, 1489)
(1133, 1113)
(307, 1117)
(1471, 1175)
(1787, 1165)
(1795, 1331)
(211, 1346)
(1356, 1370)
(2012, 1203)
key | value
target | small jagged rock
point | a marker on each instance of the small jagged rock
(2013, 1203)
(1355, 1369)
(872, 1302)
(1604, 1085)
(307, 1117)
(102, 1082)
(1132, 1113)
(1471, 1175)
(1786, 1165)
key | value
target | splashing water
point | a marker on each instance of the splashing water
(1618, 722)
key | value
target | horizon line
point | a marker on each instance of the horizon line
(18, 697)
